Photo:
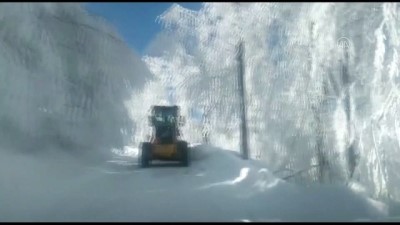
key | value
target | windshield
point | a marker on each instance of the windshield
(166, 116)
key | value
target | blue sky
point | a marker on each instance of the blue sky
(135, 21)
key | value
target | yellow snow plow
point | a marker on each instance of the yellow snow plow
(165, 141)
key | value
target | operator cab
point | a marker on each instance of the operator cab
(165, 121)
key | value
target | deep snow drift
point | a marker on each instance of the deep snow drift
(65, 77)
(218, 186)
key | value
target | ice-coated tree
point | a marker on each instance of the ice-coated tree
(321, 84)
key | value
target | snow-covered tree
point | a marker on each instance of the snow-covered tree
(321, 83)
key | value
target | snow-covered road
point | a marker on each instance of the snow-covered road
(218, 186)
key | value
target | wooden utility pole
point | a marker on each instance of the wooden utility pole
(351, 155)
(242, 92)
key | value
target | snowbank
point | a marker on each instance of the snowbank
(65, 77)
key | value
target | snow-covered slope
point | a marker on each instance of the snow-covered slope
(218, 186)
(64, 79)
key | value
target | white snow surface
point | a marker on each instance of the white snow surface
(218, 186)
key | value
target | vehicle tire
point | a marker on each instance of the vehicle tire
(183, 153)
(145, 156)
